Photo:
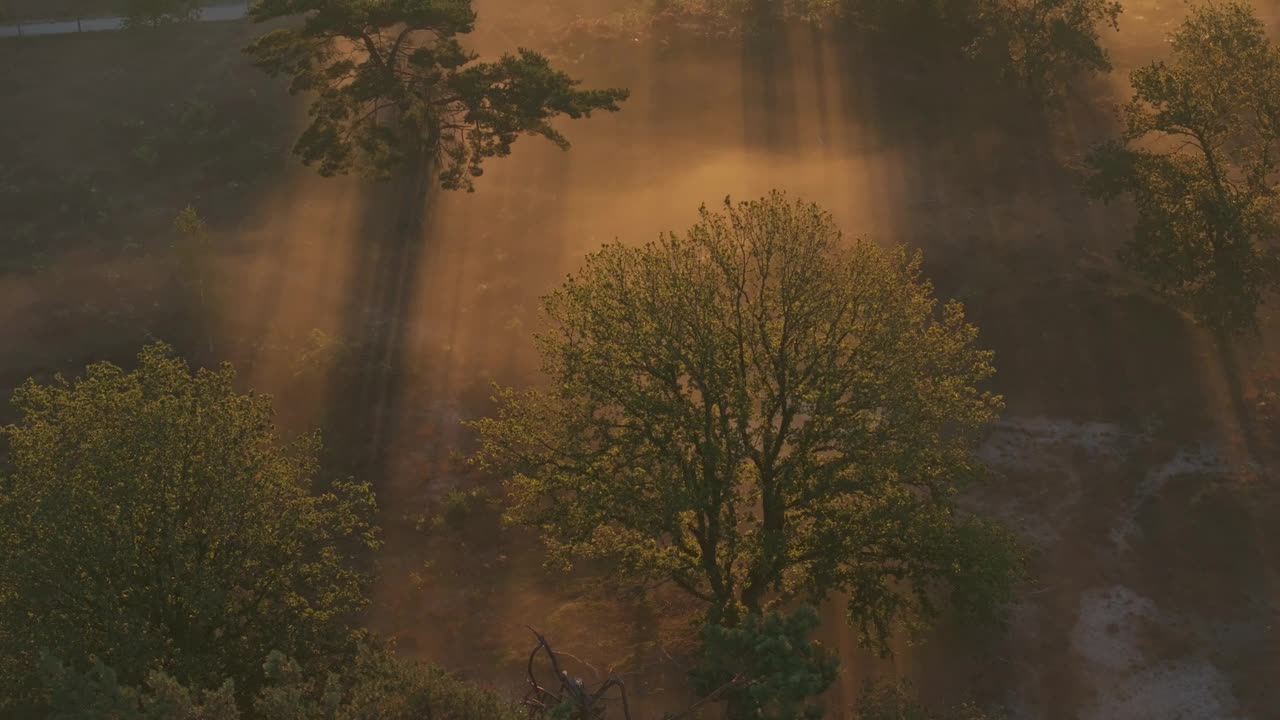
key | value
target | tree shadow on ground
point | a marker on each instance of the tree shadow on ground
(111, 135)
(984, 184)
(449, 303)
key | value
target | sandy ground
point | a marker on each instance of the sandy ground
(1125, 456)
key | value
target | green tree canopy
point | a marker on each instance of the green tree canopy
(391, 80)
(153, 520)
(766, 668)
(375, 686)
(1197, 156)
(1041, 45)
(755, 411)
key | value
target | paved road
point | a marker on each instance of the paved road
(213, 13)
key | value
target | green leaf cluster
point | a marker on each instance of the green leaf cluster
(767, 665)
(392, 84)
(97, 693)
(1198, 158)
(1041, 45)
(1038, 46)
(376, 686)
(153, 520)
(756, 411)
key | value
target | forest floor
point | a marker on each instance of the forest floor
(1134, 453)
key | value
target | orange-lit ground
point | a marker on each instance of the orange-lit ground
(1129, 453)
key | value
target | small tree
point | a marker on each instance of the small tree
(1198, 157)
(193, 250)
(756, 411)
(766, 669)
(155, 13)
(1042, 45)
(152, 520)
(392, 81)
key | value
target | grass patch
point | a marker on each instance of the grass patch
(179, 118)
(27, 10)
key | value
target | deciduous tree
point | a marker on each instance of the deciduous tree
(1198, 158)
(193, 254)
(1042, 45)
(153, 520)
(390, 81)
(756, 410)
(1039, 46)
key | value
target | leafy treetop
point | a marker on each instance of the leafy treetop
(1041, 45)
(1198, 157)
(393, 84)
(152, 520)
(755, 411)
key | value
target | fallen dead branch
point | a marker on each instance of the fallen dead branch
(590, 705)
(572, 692)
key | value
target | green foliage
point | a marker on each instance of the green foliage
(897, 702)
(98, 694)
(1197, 157)
(458, 505)
(1041, 45)
(151, 519)
(757, 411)
(385, 688)
(323, 355)
(192, 227)
(156, 13)
(377, 686)
(391, 82)
(194, 241)
(750, 10)
(192, 249)
(1038, 46)
(767, 665)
